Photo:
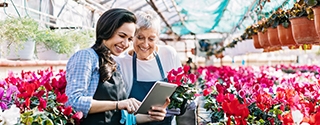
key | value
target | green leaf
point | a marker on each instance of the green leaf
(29, 120)
(311, 2)
(285, 24)
(47, 122)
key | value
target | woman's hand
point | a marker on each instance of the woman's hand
(131, 105)
(157, 113)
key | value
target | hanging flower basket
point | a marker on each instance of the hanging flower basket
(256, 42)
(303, 31)
(316, 11)
(285, 35)
(263, 39)
(273, 37)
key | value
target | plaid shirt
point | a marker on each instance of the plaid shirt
(82, 75)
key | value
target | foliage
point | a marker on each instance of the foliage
(250, 31)
(83, 38)
(312, 3)
(56, 41)
(65, 42)
(300, 9)
(263, 25)
(284, 17)
(18, 30)
(186, 86)
(40, 96)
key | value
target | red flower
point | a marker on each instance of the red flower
(67, 111)
(42, 105)
(186, 68)
(77, 117)
(62, 98)
(220, 98)
(207, 91)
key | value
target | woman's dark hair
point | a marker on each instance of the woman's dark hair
(107, 25)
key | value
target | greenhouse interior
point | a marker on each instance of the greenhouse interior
(231, 62)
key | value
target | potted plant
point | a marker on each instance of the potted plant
(274, 21)
(285, 29)
(263, 25)
(80, 39)
(251, 32)
(19, 34)
(315, 4)
(303, 28)
(61, 43)
(52, 44)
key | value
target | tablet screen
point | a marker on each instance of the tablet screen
(156, 96)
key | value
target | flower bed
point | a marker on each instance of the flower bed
(36, 98)
(276, 95)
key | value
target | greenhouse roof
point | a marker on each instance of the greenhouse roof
(202, 16)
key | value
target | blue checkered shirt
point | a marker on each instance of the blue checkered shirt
(82, 75)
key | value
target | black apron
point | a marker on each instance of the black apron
(111, 90)
(141, 88)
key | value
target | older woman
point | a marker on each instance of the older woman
(94, 84)
(147, 62)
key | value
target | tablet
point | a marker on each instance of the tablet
(156, 96)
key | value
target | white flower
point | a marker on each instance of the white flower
(10, 116)
(297, 117)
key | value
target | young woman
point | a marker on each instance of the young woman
(94, 84)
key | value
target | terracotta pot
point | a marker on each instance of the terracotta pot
(316, 12)
(273, 37)
(263, 39)
(256, 42)
(285, 35)
(304, 31)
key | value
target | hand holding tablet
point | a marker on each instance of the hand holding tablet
(156, 96)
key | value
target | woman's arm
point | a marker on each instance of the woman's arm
(128, 104)
(79, 76)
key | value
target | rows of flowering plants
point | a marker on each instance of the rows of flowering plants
(261, 95)
(36, 98)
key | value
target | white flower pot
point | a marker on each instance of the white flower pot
(21, 52)
(46, 54)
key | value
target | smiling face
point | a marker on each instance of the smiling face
(145, 43)
(120, 39)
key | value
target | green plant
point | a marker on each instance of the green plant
(263, 25)
(249, 32)
(312, 3)
(284, 18)
(274, 19)
(18, 30)
(82, 38)
(301, 9)
(56, 41)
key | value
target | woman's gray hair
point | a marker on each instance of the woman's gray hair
(147, 19)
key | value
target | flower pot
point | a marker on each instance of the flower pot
(285, 35)
(303, 31)
(21, 52)
(263, 39)
(273, 37)
(316, 12)
(256, 42)
(46, 54)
